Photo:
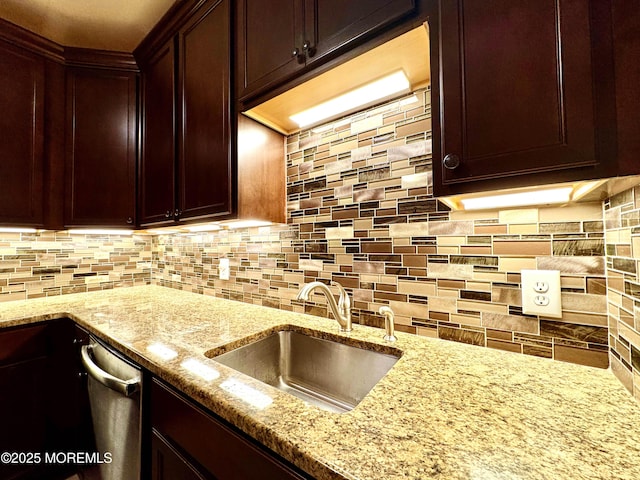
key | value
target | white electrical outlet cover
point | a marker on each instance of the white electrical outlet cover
(541, 293)
(223, 268)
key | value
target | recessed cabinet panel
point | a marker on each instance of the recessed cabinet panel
(626, 25)
(204, 103)
(272, 38)
(22, 141)
(157, 162)
(516, 91)
(42, 404)
(281, 38)
(330, 24)
(226, 454)
(101, 148)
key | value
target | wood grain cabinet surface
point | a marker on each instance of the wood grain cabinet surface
(522, 93)
(101, 147)
(188, 440)
(186, 160)
(22, 85)
(43, 405)
(157, 172)
(278, 38)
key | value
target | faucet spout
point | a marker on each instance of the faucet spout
(341, 310)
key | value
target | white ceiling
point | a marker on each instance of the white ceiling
(102, 24)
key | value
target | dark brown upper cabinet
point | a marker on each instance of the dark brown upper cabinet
(280, 38)
(186, 165)
(204, 91)
(626, 25)
(101, 132)
(157, 174)
(522, 93)
(22, 85)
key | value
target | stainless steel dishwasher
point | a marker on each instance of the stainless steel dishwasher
(114, 386)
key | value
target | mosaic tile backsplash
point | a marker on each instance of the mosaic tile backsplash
(361, 212)
(622, 225)
(50, 263)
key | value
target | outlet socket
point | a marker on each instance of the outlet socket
(223, 269)
(541, 293)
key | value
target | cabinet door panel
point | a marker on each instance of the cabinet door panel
(157, 163)
(205, 131)
(516, 89)
(269, 32)
(101, 148)
(168, 464)
(21, 146)
(223, 452)
(626, 25)
(41, 398)
(330, 24)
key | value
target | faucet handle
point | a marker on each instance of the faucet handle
(389, 324)
(344, 302)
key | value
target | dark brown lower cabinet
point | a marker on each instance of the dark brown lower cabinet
(189, 441)
(42, 405)
(168, 463)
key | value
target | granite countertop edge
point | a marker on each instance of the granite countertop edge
(436, 414)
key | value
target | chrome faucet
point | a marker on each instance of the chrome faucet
(389, 335)
(341, 310)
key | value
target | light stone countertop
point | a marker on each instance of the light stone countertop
(445, 410)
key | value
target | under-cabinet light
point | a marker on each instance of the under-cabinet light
(246, 224)
(208, 227)
(161, 231)
(100, 231)
(384, 87)
(17, 230)
(531, 196)
(519, 199)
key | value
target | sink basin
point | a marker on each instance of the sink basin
(329, 374)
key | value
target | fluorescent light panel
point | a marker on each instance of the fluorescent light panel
(519, 199)
(100, 231)
(17, 230)
(391, 84)
(208, 227)
(531, 196)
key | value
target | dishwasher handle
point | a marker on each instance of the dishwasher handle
(124, 387)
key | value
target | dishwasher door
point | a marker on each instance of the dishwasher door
(114, 386)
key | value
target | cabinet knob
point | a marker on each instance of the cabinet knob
(308, 49)
(177, 213)
(295, 52)
(168, 214)
(451, 161)
(129, 220)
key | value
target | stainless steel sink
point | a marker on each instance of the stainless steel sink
(325, 373)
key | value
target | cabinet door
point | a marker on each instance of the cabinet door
(216, 447)
(101, 148)
(41, 399)
(21, 143)
(157, 162)
(516, 93)
(168, 464)
(330, 24)
(270, 38)
(626, 25)
(205, 182)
